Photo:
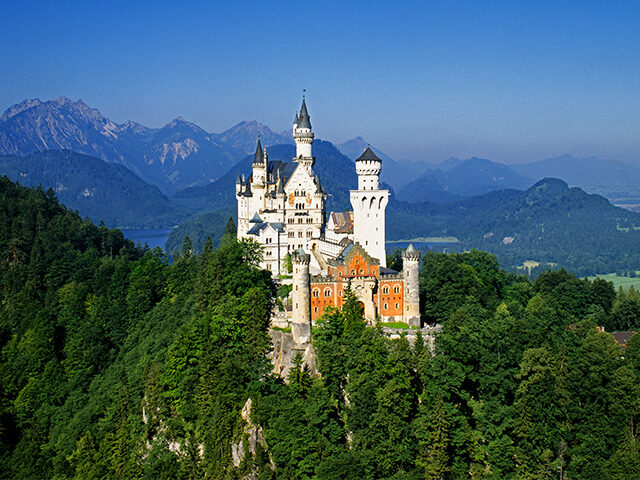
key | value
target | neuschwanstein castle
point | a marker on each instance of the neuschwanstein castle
(281, 206)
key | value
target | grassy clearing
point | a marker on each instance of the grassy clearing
(618, 281)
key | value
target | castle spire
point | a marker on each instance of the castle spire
(258, 157)
(304, 120)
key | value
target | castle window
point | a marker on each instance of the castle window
(353, 272)
(316, 292)
(309, 233)
(292, 234)
(327, 292)
(396, 289)
(361, 271)
(340, 293)
(300, 220)
(397, 305)
(300, 234)
(315, 309)
(385, 291)
(386, 306)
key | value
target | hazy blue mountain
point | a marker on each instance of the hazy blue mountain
(396, 173)
(244, 135)
(337, 174)
(102, 191)
(585, 172)
(466, 179)
(173, 157)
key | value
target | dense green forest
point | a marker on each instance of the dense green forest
(117, 364)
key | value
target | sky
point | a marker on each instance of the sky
(509, 81)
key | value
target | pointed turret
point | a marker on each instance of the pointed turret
(258, 157)
(302, 134)
(304, 120)
(239, 179)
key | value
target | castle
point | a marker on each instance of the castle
(281, 206)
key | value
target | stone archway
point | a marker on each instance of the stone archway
(363, 290)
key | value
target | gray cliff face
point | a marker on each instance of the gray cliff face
(243, 136)
(174, 157)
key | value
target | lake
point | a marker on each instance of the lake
(154, 237)
(157, 237)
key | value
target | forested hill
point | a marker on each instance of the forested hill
(548, 222)
(116, 364)
(102, 191)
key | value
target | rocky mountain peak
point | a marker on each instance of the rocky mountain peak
(19, 108)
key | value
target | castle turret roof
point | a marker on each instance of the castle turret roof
(239, 179)
(296, 120)
(255, 219)
(258, 157)
(411, 248)
(368, 154)
(304, 120)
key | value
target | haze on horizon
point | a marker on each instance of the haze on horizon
(507, 81)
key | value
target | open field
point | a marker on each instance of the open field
(618, 281)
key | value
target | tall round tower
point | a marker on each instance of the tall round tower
(301, 318)
(410, 270)
(302, 134)
(369, 204)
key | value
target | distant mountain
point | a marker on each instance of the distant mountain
(244, 135)
(585, 172)
(176, 156)
(463, 179)
(548, 222)
(336, 171)
(396, 173)
(99, 190)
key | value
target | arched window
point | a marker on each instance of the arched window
(300, 234)
(396, 289)
(316, 292)
(397, 305)
(386, 306)
(385, 291)
(315, 309)
(327, 292)
(361, 271)
(353, 272)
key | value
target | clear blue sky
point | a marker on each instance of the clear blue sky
(509, 81)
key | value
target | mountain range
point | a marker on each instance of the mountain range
(176, 156)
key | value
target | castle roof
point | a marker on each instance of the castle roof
(304, 120)
(258, 227)
(369, 155)
(255, 219)
(342, 221)
(258, 157)
(411, 248)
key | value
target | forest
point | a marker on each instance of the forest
(117, 363)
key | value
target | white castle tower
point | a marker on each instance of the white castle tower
(369, 204)
(303, 135)
(301, 314)
(410, 273)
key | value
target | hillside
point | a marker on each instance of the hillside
(99, 190)
(548, 222)
(117, 364)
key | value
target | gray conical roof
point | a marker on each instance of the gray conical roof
(297, 119)
(258, 157)
(304, 121)
(411, 248)
(368, 155)
(239, 179)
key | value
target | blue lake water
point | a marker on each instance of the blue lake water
(157, 237)
(154, 237)
(423, 246)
